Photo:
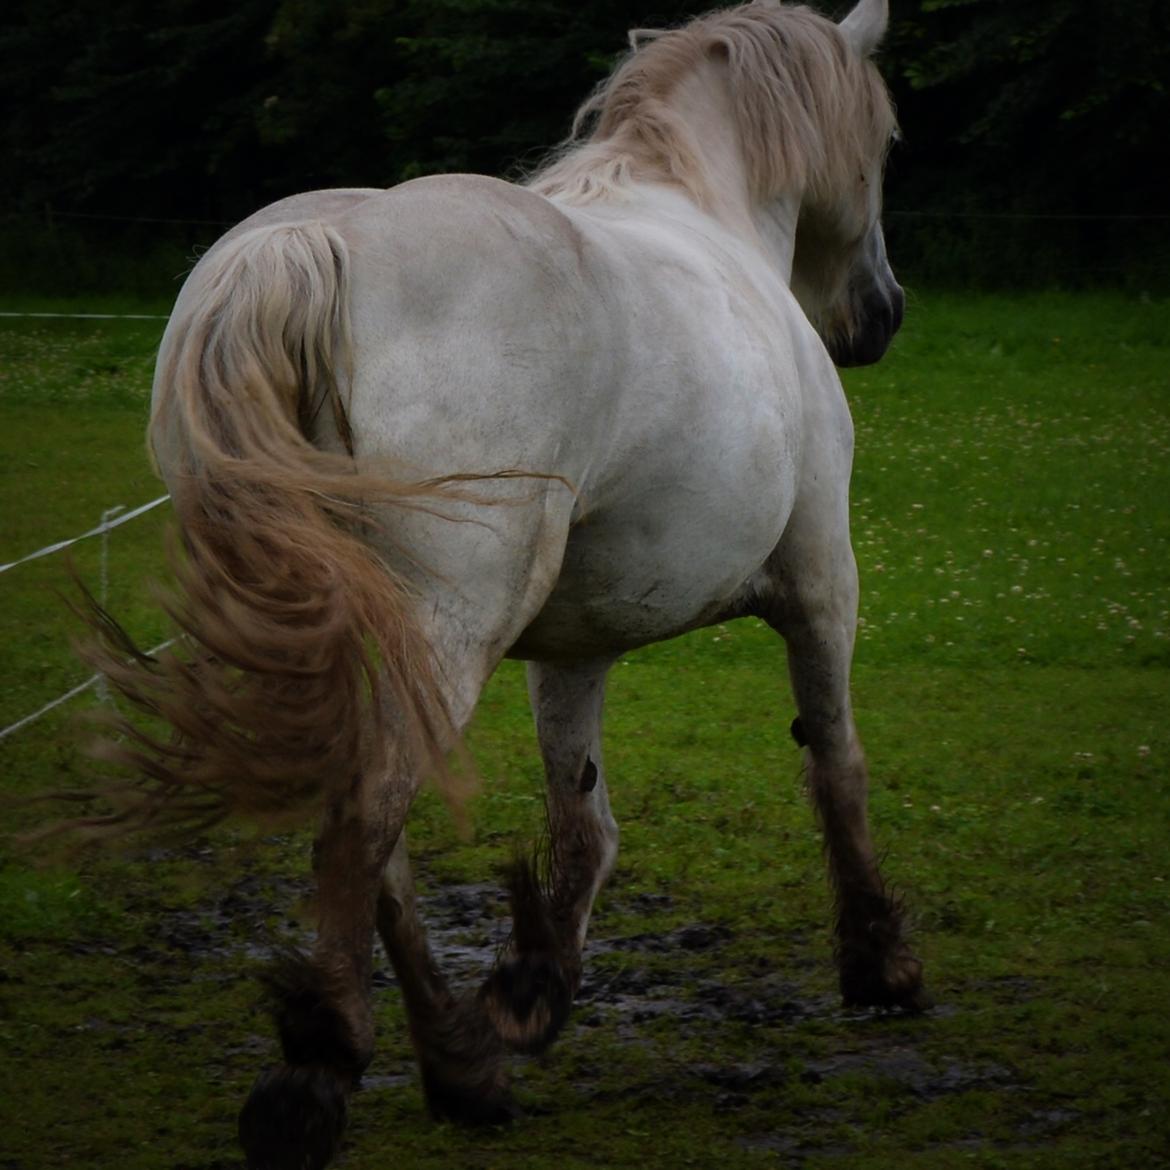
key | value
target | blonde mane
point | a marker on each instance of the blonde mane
(810, 114)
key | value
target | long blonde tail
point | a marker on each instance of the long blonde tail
(299, 654)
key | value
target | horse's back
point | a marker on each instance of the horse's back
(514, 330)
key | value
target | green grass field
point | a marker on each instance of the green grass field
(1012, 524)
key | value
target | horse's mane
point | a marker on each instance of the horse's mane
(810, 114)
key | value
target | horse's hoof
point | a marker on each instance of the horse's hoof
(916, 1001)
(895, 984)
(527, 1000)
(293, 1118)
(468, 1104)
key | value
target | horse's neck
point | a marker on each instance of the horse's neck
(704, 102)
(775, 223)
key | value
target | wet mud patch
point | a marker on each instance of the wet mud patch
(225, 933)
(469, 926)
(681, 973)
(628, 979)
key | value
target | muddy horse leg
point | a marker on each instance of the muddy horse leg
(459, 1053)
(816, 613)
(295, 1115)
(529, 994)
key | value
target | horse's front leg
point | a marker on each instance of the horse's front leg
(529, 995)
(814, 606)
(295, 1115)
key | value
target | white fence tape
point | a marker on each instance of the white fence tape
(95, 681)
(111, 518)
(103, 527)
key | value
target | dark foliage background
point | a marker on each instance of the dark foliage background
(1034, 133)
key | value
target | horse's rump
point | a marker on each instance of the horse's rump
(295, 637)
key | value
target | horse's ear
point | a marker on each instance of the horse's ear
(865, 26)
(643, 36)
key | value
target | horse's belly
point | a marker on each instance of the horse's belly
(623, 586)
(571, 628)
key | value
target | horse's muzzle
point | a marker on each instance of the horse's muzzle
(879, 318)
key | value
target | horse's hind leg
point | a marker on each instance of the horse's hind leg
(815, 608)
(529, 995)
(296, 1112)
(459, 1053)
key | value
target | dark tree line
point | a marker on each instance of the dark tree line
(208, 108)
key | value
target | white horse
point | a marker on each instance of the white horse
(411, 432)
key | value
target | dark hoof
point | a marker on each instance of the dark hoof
(293, 1118)
(468, 1103)
(893, 983)
(527, 1000)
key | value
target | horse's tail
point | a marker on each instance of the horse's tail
(299, 655)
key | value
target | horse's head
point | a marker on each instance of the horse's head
(766, 113)
(840, 274)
